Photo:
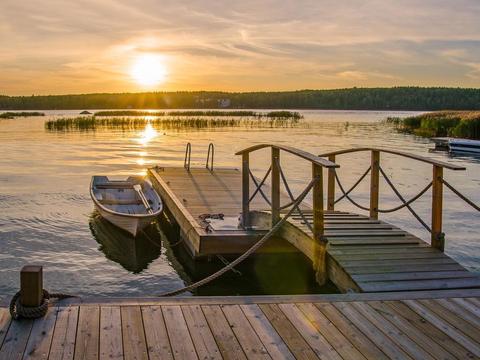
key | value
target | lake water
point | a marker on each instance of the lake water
(46, 215)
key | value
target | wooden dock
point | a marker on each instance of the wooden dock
(413, 325)
(364, 254)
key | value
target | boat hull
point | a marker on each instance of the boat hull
(132, 225)
(465, 146)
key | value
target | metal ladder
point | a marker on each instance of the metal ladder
(188, 156)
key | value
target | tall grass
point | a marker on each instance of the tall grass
(92, 123)
(464, 124)
(190, 113)
(11, 115)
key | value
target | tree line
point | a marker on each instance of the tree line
(396, 98)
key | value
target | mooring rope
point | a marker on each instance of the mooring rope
(461, 196)
(247, 253)
(17, 310)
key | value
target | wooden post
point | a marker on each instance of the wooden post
(31, 285)
(437, 208)
(331, 186)
(275, 195)
(320, 244)
(374, 184)
(245, 190)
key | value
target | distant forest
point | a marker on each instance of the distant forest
(397, 98)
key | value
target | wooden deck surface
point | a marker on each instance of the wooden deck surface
(422, 325)
(364, 255)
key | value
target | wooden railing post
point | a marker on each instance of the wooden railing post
(275, 195)
(374, 184)
(245, 190)
(320, 243)
(437, 208)
(331, 186)
(31, 285)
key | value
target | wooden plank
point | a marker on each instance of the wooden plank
(202, 337)
(437, 208)
(156, 336)
(419, 337)
(398, 255)
(226, 340)
(134, 344)
(461, 324)
(378, 337)
(87, 340)
(64, 334)
(394, 240)
(425, 284)
(435, 261)
(437, 336)
(413, 276)
(374, 183)
(111, 346)
(290, 335)
(329, 331)
(443, 325)
(246, 336)
(16, 339)
(474, 309)
(459, 311)
(351, 332)
(402, 268)
(4, 323)
(180, 340)
(267, 334)
(316, 340)
(38, 345)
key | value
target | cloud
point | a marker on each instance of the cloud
(247, 45)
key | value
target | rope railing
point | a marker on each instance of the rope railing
(354, 185)
(258, 185)
(460, 195)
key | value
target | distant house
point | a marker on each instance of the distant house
(224, 103)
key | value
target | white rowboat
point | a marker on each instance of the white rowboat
(464, 145)
(130, 204)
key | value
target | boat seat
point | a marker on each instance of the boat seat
(120, 202)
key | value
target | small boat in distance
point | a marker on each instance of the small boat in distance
(464, 145)
(130, 204)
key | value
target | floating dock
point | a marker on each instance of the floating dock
(414, 325)
(364, 254)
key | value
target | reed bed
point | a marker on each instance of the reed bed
(211, 113)
(12, 115)
(461, 124)
(92, 123)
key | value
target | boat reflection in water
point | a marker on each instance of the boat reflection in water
(133, 253)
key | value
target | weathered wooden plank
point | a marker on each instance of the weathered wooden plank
(394, 240)
(402, 268)
(4, 323)
(438, 337)
(459, 311)
(419, 337)
(329, 331)
(425, 284)
(354, 263)
(200, 332)
(351, 332)
(458, 322)
(290, 335)
(226, 340)
(399, 255)
(134, 344)
(473, 308)
(111, 346)
(378, 337)
(87, 340)
(423, 275)
(156, 336)
(267, 334)
(16, 339)
(64, 334)
(316, 340)
(443, 325)
(38, 345)
(246, 336)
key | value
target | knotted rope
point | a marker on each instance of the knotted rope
(17, 310)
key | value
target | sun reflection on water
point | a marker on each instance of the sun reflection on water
(147, 135)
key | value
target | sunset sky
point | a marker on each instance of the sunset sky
(84, 46)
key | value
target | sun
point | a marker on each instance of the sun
(148, 70)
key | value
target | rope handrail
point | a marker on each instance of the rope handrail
(290, 194)
(247, 253)
(354, 185)
(259, 186)
(461, 196)
(399, 153)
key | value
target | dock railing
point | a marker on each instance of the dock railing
(277, 174)
(375, 169)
